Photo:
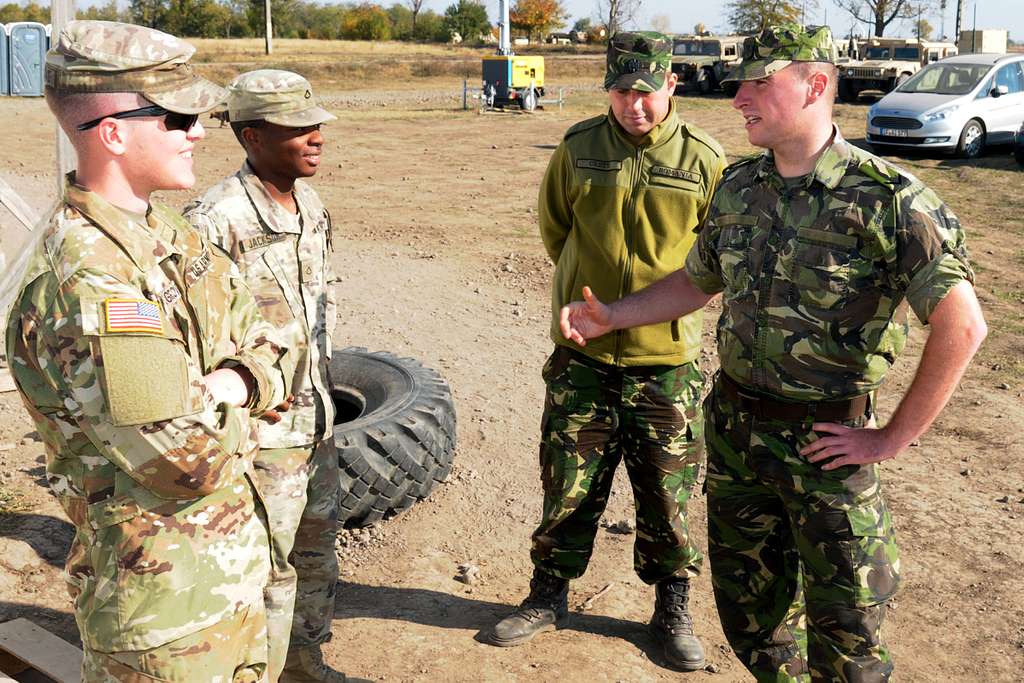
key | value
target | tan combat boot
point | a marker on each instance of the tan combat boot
(306, 664)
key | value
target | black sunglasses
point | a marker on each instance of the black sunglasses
(172, 119)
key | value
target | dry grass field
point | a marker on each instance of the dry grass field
(439, 258)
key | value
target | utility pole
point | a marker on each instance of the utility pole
(959, 20)
(270, 27)
(61, 12)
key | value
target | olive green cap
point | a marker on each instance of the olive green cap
(779, 46)
(280, 97)
(638, 60)
(108, 56)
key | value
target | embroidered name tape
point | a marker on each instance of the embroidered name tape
(133, 315)
(599, 164)
(261, 241)
(675, 173)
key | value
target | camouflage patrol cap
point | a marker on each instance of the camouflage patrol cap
(108, 56)
(779, 46)
(275, 96)
(638, 60)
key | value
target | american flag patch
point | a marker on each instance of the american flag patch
(133, 315)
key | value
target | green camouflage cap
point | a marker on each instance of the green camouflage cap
(108, 56)
(638, 60)
(275, 96)
(779, 46)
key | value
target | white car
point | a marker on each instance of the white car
(957, 104)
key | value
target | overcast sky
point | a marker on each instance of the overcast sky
(684, 15)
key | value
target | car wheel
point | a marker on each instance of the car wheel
(703, 82)
(972, 140)
(394, 432)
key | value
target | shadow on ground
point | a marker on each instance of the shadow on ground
(50, 537)
(448, 611)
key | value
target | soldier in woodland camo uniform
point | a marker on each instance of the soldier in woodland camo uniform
(814, 245)
(141, 357)
(276, 229)
(619, 205)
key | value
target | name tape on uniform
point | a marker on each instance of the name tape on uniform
(676, 173)
(599, 164)
(261, 241)
(133, 315)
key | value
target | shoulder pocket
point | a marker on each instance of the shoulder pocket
(146, 379)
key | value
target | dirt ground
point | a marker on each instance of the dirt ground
(439, 258)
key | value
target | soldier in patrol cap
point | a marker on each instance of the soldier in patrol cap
(619, 205)
(276, 229)
(814, 245)
(141, 357)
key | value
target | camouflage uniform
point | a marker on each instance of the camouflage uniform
(285, 260)
(117, 320)
(617, 214)
(813, 273)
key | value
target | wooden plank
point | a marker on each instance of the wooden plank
(43, 651)
(17, 206)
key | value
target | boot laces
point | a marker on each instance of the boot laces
(675, 616)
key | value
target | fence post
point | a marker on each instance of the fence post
(465, 94)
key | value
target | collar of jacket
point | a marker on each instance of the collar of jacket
(655, 136)
(274, 216)
(146, 245)
(828, 170)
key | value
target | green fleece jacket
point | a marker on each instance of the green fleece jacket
(618, 213)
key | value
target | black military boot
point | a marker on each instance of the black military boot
(546, 608)
(672, 625)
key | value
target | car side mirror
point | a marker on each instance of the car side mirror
(999, 91)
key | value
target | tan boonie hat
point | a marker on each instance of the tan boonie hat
(779, 46)
(108, 56)
(275, 96)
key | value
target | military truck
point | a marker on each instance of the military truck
(701, 62)
(885, 63)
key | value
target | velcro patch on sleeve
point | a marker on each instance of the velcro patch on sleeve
(599, 164)
(681, 174)
(261, 241)
(132, 315)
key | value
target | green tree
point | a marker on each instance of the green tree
(430, 26)
(107, 12)
(467, 18)
(583, 25)
(366, 22)
(147, 12)
(400, 18)
(751, 16)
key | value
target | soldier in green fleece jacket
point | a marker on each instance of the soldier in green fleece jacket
(619, 204)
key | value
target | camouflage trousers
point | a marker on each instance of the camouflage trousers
(299, 488)
(596, 415)
(803, 560)
(231, 651)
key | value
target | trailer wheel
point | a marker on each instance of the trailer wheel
(394, 432)
(704, 81)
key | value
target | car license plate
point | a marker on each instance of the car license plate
(895, 132)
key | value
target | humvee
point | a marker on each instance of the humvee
(701, 62)
(886, 62)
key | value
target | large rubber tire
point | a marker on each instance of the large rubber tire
(704, 82)
(394, 431)
(972, 140)
(847, 91)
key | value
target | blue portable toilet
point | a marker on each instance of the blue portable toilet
(5, 85)
(27, 49)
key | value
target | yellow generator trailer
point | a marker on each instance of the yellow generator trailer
(513, 80)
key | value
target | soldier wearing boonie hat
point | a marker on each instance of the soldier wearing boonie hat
(642, 172)
(143, 392)
(275, 227)
(814, 246)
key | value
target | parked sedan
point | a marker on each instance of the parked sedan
(958, 104)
